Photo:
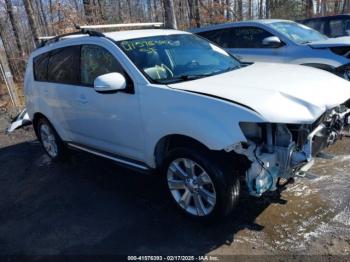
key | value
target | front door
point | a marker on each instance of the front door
(109, 122)
(246, 43)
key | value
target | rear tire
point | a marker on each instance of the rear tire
(50, 140)
(198, 186)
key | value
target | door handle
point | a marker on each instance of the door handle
(82, 99)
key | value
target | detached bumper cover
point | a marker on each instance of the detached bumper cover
(21, 120)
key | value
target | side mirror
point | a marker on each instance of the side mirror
(272, 41)
(108, 83)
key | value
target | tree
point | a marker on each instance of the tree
(267, 8)
(169, 13)
(346, 6)
(9, 9)
(261, 9)
(309, 8)
(240, 9)
(88, 11)
(194, 15)
(31, 20)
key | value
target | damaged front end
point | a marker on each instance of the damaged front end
(283, 150)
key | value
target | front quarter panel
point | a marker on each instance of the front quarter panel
(211, 121)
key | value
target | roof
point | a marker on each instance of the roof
(325, 17)
(241, 23)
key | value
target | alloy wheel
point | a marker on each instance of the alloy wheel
(48, 140)
(191, 187)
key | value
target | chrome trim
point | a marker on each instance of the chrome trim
(122, 161)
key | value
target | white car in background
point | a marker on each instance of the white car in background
(281, 41)
(168, 100)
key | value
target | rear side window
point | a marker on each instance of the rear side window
(316, 24)
(238, 37)
(40, 64)
(96, 61)
(339, 27)
(220, 37)
(64, 65)
(248, 37)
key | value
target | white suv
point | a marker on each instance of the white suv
(170, 101)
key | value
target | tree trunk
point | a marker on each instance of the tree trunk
(197, 16)
(88, 11)
(44, 16)
(267, 9)
(261, 9)
(250, 11)
(309, 8)
(190, 12)
(346, 6)
(100, 9)
(228, 11)
(15, 29)
(170, 19)
(31, 20)
(240, 9)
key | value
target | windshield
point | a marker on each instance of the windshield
(175, 58)
(298, 32)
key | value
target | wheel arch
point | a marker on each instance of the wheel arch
(36, 117)
(170, 141)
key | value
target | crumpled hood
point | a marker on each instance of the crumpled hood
(280, 93)
(331, 42)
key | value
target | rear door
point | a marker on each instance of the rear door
(246, 44)
(58, 92)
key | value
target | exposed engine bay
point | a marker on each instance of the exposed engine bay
(284, 150)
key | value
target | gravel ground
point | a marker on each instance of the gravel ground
(91, 206)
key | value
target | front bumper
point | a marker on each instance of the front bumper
(286, 153)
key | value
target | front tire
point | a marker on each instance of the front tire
(198, 186)
(50, 140)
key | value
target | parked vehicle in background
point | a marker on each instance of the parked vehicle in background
(281, 41)
(331, 26)
(168, 100)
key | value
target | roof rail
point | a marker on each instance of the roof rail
(43, 40)
(86, 29)
(152, 25)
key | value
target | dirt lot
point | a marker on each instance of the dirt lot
(91, 206)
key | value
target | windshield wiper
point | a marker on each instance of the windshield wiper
(191, 77)
(305, 42)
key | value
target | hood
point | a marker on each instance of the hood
(331, 42)
(280, 93)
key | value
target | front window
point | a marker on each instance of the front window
(298, 32)
(176, 58)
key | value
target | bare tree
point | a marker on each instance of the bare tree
(31, 20)
(346, 6)
(250, 9)
(240, 9)
(261, 9)
(170, 19)
(9, 9)
(194, 15)
(267, 8)
(309, 8)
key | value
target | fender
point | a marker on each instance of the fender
(214, 122)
